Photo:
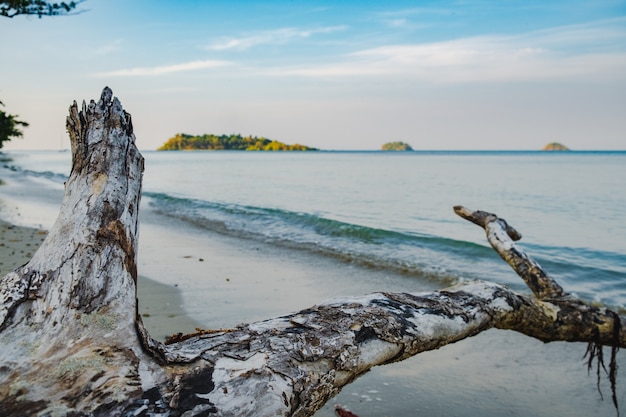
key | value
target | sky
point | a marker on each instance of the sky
(336, 75)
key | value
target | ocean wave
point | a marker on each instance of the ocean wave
(49, 175)
(442, 260)
(414, 254)
(589, 262)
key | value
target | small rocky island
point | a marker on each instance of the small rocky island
(396, 146)
(555, 146)
(184, 142)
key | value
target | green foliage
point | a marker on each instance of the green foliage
(12, 8)
(233, 142)
(396, 146)
(555, 146)
(9, 127)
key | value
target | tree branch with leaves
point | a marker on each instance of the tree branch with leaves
(39, 8)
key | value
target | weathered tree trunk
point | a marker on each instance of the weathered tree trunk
(72, 343)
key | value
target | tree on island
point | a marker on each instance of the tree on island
(72, 341)
(40, 8)
(9, 127)
(182, 141)
(555, 146)
(396, 146)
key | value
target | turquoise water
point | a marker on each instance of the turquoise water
(393, 211)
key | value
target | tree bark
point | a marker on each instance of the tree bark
(72, 343)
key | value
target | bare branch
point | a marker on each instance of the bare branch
(501, 236)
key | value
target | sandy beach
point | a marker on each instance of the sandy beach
(17, 245)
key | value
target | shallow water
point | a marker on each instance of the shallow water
(393, 211)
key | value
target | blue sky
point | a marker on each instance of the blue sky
(331, 74)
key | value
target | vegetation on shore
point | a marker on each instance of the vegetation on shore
(10, 126)
(396, 146)
(233, 142)
(555, 146)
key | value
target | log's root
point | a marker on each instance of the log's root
(595, 352)
(545, 288)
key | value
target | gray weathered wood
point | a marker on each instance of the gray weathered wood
(71, 341)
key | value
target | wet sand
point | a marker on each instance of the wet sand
(17, 245)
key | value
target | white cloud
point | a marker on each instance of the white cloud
(165, 69)
(269, 37)
(595, 50)
(588, 50)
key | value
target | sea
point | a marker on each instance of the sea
(385, 214)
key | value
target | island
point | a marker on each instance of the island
(555, 146)
(396, 146)
(182, 141)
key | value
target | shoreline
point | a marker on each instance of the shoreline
(160, 305)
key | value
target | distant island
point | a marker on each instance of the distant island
(184, 142)
(555, 146)
(396, 146)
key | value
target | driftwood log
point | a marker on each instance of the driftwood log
(72, 342)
